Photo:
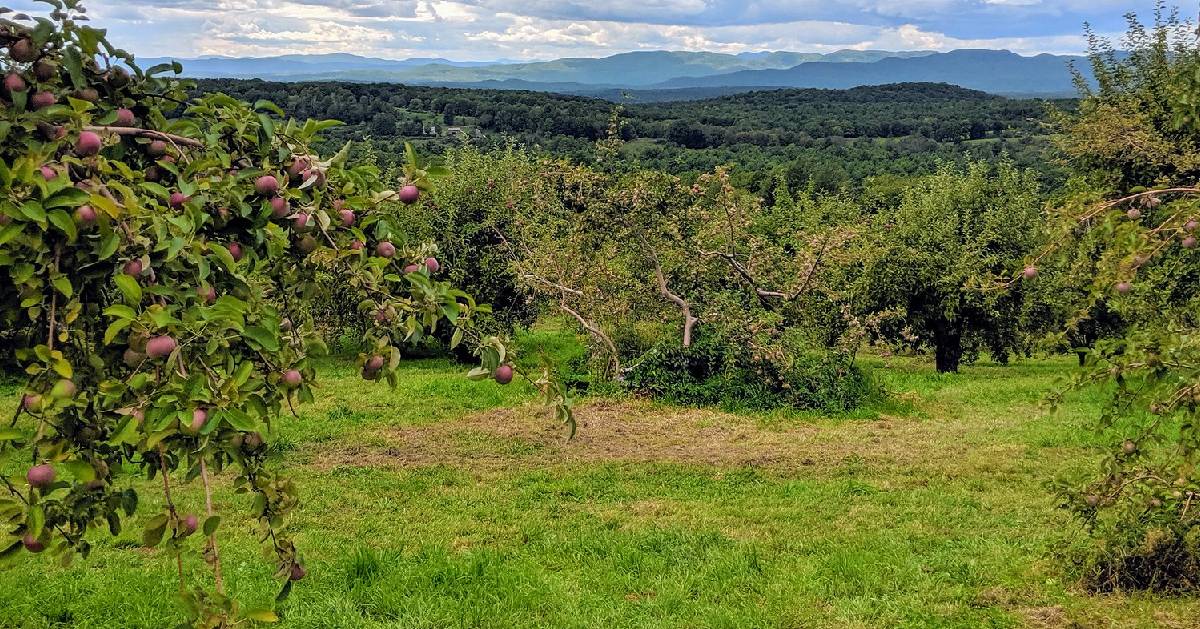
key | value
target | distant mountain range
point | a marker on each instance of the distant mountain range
(663, 75)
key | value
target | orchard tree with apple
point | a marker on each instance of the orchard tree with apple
(162, 250)
(1126, 237)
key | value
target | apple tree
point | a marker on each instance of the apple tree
(1134, 203)
(933, 251)
(161, 249)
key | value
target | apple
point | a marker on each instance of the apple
(279, 207)
(64, 389)
(385, 249)
(267, 184)
(409, 194)
(235, 250)
(199, 418)
(133, 268)
(432, 265)
(88, 144)
(292, 378)
(42, 99)
(1030, 272)
(347, 217)
(504, 374)
(32, 544)
(40, 476)
(14, 83)
(207, 294)
(178, 199)
(45, 70)
(85, 215)
(156, 148)
(160, 346)
(31, 402)
(23, 50)
(125, 117)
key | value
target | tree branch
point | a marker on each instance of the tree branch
(689, 321)
(614, 360)
(147, 133)
(212, 539)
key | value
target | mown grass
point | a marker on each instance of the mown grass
(933, 513)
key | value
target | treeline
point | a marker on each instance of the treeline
(829, 139)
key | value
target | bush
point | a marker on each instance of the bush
(714, 372)
(1144, 555)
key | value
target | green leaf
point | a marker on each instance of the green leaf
(223, 255)
(108, 245)
(114, 329)
(62, 284)
(239, 420)
(63, 222)
(262, 615)
(33, 211)
(211, 524)
(35, 520)
(10, 434)
(154, 531)
(120, 311)
(67, 197)
(263, 337)
(285, 592)
(81, 470)
(130, 288)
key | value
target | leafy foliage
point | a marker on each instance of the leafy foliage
(161, 249)
(829, 138)
(1127, 229)
(934, 253)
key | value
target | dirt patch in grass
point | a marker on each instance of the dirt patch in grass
(641, 432)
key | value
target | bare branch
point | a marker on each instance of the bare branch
(614, 358)
(689, 321)
(560, 287)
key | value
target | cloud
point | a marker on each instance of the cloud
(541, 29)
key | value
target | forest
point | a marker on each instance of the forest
(829, 138)
(907, 355)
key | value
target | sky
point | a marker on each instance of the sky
(481, 30)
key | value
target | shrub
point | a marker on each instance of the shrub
(714, 372)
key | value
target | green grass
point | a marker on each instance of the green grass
(931, 514)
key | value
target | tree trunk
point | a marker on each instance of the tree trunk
(947, 339)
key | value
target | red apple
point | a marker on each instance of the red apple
(43, 99)
(409, 194)
(40, 476)
(160, 346)
(504, 374)
(125, 117)
(279, 207)
(267, 184)
(85, 215)
(88, 144)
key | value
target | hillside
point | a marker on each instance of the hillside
(831, 137)
(995, 71)
(631, 69)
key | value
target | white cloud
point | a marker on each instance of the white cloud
(540, 29)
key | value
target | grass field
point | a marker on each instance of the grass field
(447, 503)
